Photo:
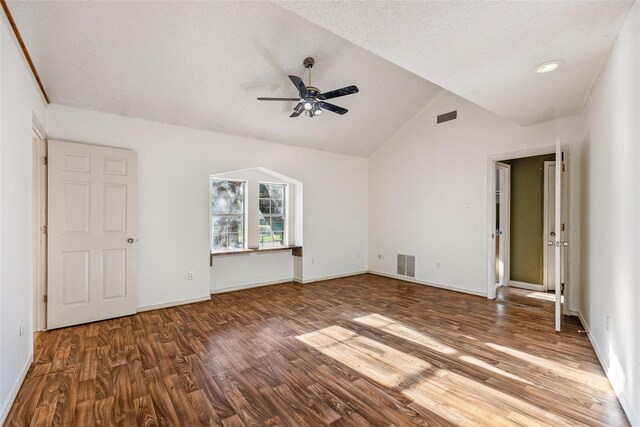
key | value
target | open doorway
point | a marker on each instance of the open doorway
(524, 236)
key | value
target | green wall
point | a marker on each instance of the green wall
(527, 218)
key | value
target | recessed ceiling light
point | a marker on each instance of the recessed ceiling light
(547, 67)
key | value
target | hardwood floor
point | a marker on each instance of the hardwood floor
(353, 351)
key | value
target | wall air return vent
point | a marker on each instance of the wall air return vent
(451, 115)
(402, 264)
(407, 265)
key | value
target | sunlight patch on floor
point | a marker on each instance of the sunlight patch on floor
(489, 367)
(392, 327)
(448, 394)
(546, 296)
(385, 364)
(566, 369)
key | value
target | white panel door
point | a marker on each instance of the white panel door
(550, 225)
(558, 241)
(92, 233)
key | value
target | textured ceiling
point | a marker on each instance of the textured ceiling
(486, 51)
(202, 64)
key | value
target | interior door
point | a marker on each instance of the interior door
(550, 225)
(92, 233)
(557, 241)
(503, 214)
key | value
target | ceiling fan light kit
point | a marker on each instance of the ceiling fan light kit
(310, 99)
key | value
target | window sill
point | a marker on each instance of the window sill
(295, 251)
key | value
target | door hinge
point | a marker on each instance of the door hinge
(44, 161)
(45, 298)
(44, 229)
(562, 227)
(563, 168)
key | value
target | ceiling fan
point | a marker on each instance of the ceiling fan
(310, 100)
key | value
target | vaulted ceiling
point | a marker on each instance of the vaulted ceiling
(486, 51)
(202, 64)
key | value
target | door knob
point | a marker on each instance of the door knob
(130, 240)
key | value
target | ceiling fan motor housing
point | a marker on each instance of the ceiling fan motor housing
(308, 62)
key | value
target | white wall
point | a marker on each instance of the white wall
(174, 164)
(428, 191)
(611, 216)
(20, 101)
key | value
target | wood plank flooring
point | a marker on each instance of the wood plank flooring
(363, 350)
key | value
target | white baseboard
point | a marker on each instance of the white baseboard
(14, 391)
(172, 304)
(525, 285)
(432, 284)
(337, 276)
(249, 286)
(626, 405)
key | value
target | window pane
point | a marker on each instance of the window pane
(234, 242)
(219, 224)
(236, 205)
(235, 224)
(277, 224)
(265, 223)
(276, 207)
(277, 191)
(264, 206)
(220, 205)
(236, 188)
(278, 239)
(220, 242)
(264, 191)
(219, 188)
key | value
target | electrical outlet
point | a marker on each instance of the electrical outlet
(190, 275)
(380, 256)
(313, 260)
(608, 322)
(437, 265)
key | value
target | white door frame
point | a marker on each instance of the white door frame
(491, 211)
(505, 220)
(39, 220)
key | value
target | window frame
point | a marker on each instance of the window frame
(244, 215)
(284, 215)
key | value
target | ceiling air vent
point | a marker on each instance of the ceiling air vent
(451, 115)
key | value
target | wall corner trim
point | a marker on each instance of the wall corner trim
(14, 390)
(626, 405)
